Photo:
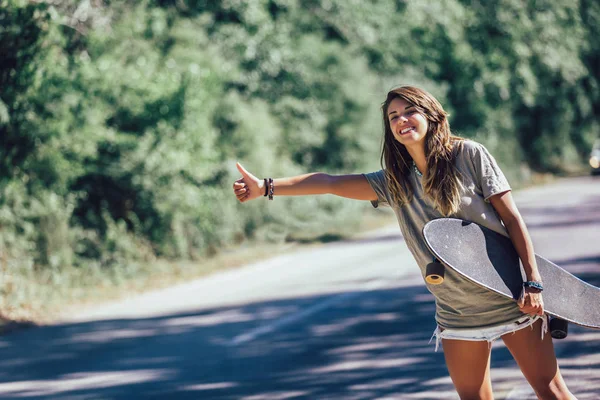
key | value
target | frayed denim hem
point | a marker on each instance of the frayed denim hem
(489, 334)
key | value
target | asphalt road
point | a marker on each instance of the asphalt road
(348, 320)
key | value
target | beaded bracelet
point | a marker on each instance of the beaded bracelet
(534, 284)
(271, 189)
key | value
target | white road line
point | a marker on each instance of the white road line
(290, 319)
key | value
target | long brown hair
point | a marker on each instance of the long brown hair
(441, 183)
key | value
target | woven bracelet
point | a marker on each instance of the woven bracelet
(266, 187)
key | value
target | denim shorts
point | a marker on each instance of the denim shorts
(489, 334)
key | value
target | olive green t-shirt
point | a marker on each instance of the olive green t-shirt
(459, 303)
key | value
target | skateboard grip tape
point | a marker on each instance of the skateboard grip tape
(434, 273)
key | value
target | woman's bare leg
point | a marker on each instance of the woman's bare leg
(469, 365)
(537, 361)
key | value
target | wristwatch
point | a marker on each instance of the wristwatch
(534, 285)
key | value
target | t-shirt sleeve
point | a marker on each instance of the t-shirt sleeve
(490, 177)
(377, 181)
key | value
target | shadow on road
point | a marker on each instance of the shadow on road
(370, 345)
(374, 343)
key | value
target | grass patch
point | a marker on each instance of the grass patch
(33, 296)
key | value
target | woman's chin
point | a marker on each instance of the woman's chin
(409, 139)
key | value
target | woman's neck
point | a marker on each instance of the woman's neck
(418, 155)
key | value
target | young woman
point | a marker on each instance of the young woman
(429, 173)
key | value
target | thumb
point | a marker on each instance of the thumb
(243, 171)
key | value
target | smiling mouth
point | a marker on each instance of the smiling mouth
(406, 130)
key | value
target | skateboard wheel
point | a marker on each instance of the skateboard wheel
(434, 273)
(559, 328)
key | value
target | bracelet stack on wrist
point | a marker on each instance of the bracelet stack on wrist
(534, 285)
(269, 188)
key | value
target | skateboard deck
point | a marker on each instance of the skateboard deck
(489, 259)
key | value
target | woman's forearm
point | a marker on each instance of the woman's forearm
(313, 183)
(515, 226)
(518, 233)
(353, 186)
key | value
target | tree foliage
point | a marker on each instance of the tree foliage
(120, 122)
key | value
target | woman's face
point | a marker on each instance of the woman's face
(408, 125)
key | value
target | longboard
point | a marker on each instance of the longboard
(489, 259)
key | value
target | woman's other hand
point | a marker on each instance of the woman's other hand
(248, 187)
(531, 302)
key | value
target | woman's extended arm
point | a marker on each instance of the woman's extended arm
(249, 187)
(511, 217)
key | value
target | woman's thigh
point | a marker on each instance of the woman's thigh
(468, 363)
(537, 361)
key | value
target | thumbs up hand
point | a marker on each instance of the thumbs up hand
(248, 187)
